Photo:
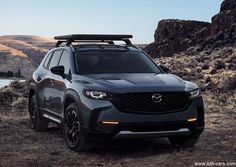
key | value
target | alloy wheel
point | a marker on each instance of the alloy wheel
(72, 127)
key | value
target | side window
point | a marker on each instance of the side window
(55, 59)
(47, 60)
(65, 62)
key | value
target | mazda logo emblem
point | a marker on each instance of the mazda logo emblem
(156, 98)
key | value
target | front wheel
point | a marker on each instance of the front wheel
(184, 141)
(73, 136)
(36, 123)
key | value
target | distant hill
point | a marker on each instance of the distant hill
(23, 52)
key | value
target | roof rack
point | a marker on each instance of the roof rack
(95, 38)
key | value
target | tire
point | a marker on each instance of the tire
(36, 123)
(72, 133)
(184, 141)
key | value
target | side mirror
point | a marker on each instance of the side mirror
(164, 68)
(58, 70)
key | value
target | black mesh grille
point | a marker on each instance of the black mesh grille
(143, 102)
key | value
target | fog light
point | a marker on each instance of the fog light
(110, 122)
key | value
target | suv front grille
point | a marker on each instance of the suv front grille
(143, 102)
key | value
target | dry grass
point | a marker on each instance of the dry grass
(22, 45)
(12, 51)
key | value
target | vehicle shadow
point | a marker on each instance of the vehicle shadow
(125, 147)
(130, 147)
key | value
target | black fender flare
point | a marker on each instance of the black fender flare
(72, 94)
(32, 87)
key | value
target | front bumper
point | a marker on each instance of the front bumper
(130, 125)
(152, 134)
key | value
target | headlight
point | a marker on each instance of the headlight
(195, 93)
(95, 94)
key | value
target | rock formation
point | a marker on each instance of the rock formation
(174, 36)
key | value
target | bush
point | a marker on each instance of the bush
(14, 95)
(230, 83)
(219, 64)
(19, 103)
(205, 66)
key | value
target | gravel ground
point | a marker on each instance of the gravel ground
(20, 146)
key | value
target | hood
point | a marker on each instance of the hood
(134, 82)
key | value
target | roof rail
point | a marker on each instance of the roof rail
(68, 39)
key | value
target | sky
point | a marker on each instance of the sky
(137, 17)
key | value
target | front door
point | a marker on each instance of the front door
(58, 85)
(54, 79)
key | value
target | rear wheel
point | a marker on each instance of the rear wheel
(73, 135)
(36, 123)
(184, 141)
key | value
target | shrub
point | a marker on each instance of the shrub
(230, 83)
(219, 64)
(205, 66)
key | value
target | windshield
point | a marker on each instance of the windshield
(114, 62)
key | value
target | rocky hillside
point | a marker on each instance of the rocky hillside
(22, 52)
(175, 36)
(214, 71)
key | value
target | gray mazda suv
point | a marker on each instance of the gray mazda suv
(98, 89)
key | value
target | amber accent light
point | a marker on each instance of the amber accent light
(192, 119)
(110, 122)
